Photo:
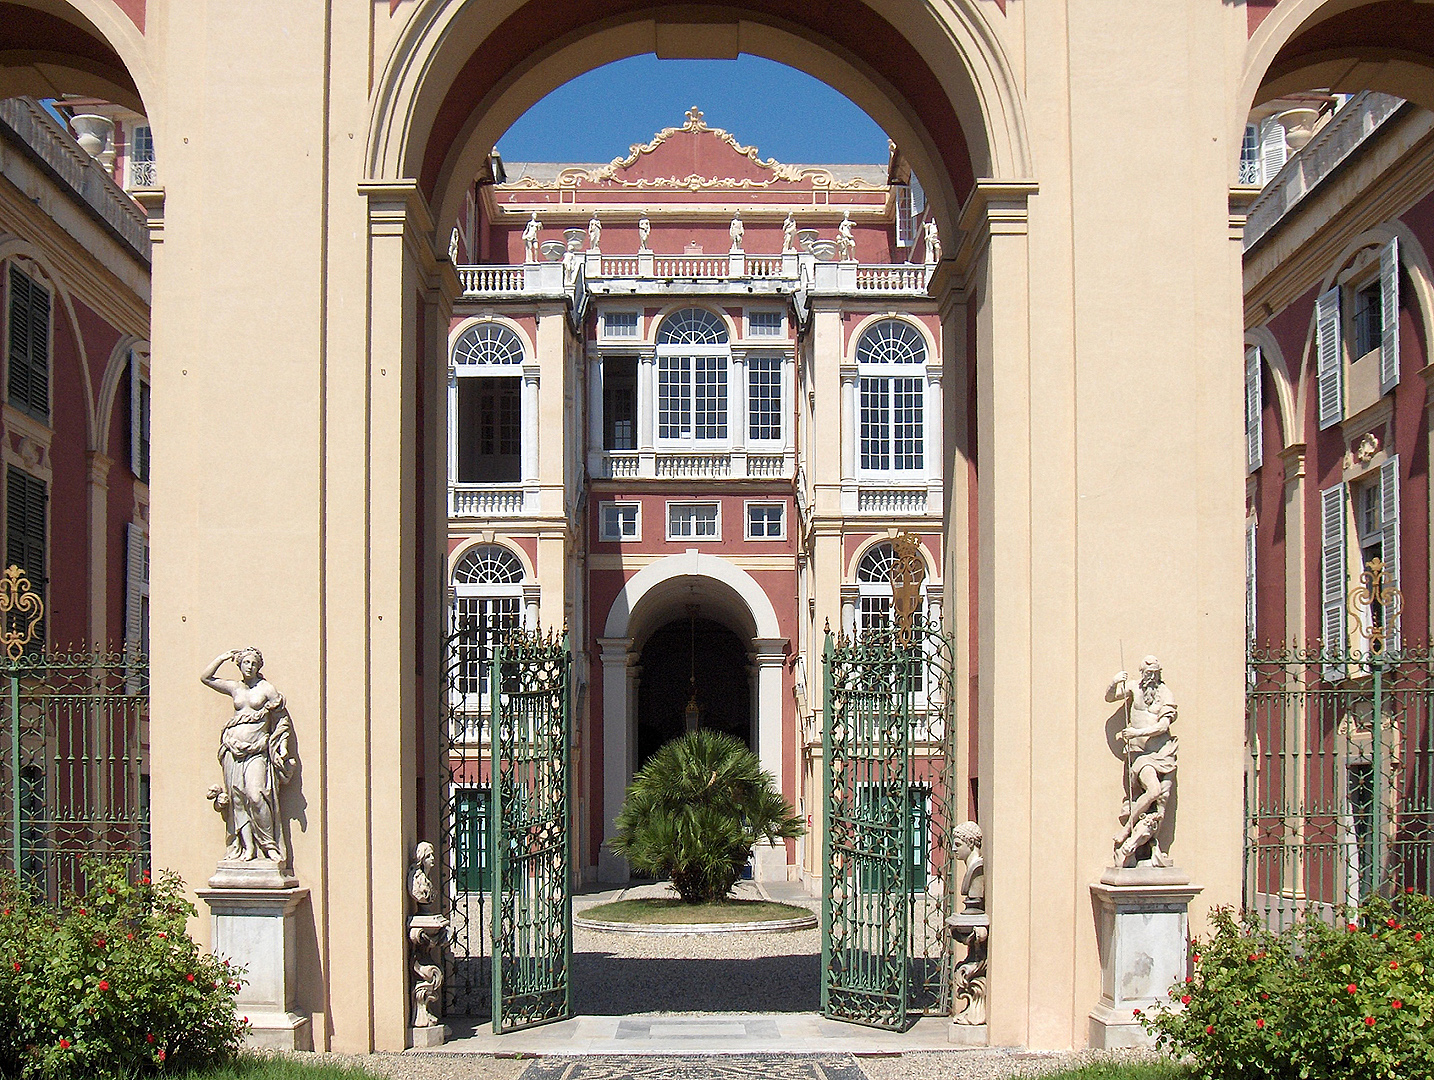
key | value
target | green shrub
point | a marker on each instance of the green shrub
(1353, 1001)
(694, 812)
(111, 985)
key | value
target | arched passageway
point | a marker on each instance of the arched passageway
(692, 673)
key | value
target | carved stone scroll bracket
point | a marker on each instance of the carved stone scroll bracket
(968, 979)
(427, 934)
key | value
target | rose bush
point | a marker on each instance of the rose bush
(111, 984)
(1352, 999)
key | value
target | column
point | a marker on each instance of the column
(646, 414)
(99, 519)
(737, 413)
(850, 420)
(770, 860)
(616, 749)
(529, 467)
(850, 598)
(935, 442)
(594, 455)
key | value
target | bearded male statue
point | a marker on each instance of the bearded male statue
(1149, 763)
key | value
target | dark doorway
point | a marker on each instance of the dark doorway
(721, 675)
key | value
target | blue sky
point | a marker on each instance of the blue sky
(785, 113)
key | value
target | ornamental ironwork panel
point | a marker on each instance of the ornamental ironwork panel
(1339, 776)
(888, 799)
(73, 779)
(530, 840)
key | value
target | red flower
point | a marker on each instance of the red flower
(1196, 958)
(1209, 1029)
(17, 965)
(1260, 1022)
(99, 942)
(1134, 1012)
(1409, 889)
(1190, 978)
(82, 911)
(1185, 999)
(1369, 1021)
(1264, 997)
(1254, 957)
(64, 1044)
(1396, 1004)
(1394, 965)
(149, 1038)
(1393, 924)
(190, 978)
(161, 1055)
(1419, 935)
(1353, 927)
(1350, 989)
(160, 934)
(104, 985)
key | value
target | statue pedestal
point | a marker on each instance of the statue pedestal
(961, 1031)
(1142, 925)
(437, 1035)
(255, 927)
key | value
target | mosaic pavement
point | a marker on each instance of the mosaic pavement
(733, 1067)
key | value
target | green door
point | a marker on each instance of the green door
(471, 828)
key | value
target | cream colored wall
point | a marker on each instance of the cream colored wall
(1109, 442)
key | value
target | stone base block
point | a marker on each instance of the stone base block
(1143, 932)
(252, 874)
(967, 1034)
(769, 862)
(279, 1031)
(436, 1035)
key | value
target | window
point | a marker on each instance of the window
(905, 224)
(1250, 156)
(141, 158)
(136, 600)
(1368, 327)
(873, 580)
(764, 398)
(692, 361)
(619, 324)
(764, 324)
(766, 521)
(1374, 505)
(487, 405)
(693, 521)
(1273, 150)
(470, 821)
(620, 521)
(619, 403)
(28, 358)
(1254, 410)
(1374, 325)
(488, 596)
(138, 421)
(25, 511)
(891, 358)
(1250, 608)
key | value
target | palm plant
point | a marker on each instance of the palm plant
(694, 812)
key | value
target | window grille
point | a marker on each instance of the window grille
(692, 326)
(765, 521)
(619, 324)
(487, 343)
(28, 382)
(764, 324)
(764, 398)
(488, 564)
(709, 397)
(692, 521)
(1250, 156)
(619, 521)
(891, 341)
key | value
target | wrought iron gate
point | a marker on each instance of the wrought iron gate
(889, 804)
(73, 779)
(531, 842)
(1339, 779)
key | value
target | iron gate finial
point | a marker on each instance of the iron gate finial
(16, 596)
(907, 573)
(1370, 591)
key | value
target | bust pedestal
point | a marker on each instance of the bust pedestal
(255, 927)
(1142, 925)
(968, 1026)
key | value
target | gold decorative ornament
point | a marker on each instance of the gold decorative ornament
(907, 573)
(17, 599)
(1372, 591)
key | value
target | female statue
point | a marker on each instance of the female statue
(256, 752)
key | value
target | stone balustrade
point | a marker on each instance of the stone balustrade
(486, 500)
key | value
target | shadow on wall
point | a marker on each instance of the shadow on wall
(607, 985)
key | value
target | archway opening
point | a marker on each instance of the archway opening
(693, 673)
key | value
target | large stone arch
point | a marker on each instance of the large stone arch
(456, 80)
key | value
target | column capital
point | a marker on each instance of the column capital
(615, 651)
(770, 651)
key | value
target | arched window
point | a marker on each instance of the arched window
(486, 402)
(873, 582)
(693, 356)
(487, 603)
(891, 368)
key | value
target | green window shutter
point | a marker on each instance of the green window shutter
(28, 357)
(1334, 575)
(1389, 316)
(1389, 534)
(25, 508)
(1254, 409)
(1329, 359)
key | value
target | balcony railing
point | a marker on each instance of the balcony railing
(693, 465)
(486, 500)
(874, 500)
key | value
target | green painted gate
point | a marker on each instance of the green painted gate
(530, 841)
(888, 881)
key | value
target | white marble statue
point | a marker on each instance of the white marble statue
(789, 234)
(256, 752)
(1149, 763)
(453, 246)
(530, 239)
(968, 985)
(594, 232)
(846, 240)
(573, 258)
(644, 230)
(736, 230)
(427, 933)
(933, 242)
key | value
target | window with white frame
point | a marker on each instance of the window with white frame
(1250, 606)
(1372, 502)
(619, 521)
(487, 604)
(764, 324)
(1250, 156)
(693, 521)
(693, 357)
(766, 521)
(619, 324)
(619, 402)
(764, 397)
(875, 593)
(141, 157)
(905, 218)
(1372, 306)
(486, 405)
(891, 367)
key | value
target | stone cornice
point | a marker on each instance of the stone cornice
(994, 208)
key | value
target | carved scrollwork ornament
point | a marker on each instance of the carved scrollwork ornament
(1370, 594)
(907, 573)
(19, 600)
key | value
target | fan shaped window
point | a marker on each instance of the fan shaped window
(487, 604)
(891, 360)
(874, 598)
(693, 357)
(486, 402)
